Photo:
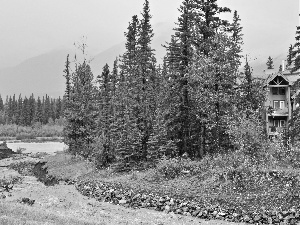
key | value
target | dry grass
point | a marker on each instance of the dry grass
(17, 214)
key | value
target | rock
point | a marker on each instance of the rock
(172, 202)
(137, 196)
(122, 201)
(186, 214)
(27, 201)
(222, 213)
(257, 218)
(178, 211)
(167, 209)
(235, 215)
(270, 220)
(185, 209)
(246, 218)
(196, 212)
(215, 213)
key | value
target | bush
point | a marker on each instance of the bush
(22, 136)
(174, 167)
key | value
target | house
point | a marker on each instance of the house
(280, 100)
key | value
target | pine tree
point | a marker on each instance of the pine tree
(147, 75)
(197, 25)
(80, 112)
(19, 118)
(290, 57)
(39, 111)
(1, 104)
(270, 64)
(58, 108)
(296, 52)
(67, 76)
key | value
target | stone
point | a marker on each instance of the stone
(185, 209)
(196, 212)
(178, 211)
(246, 218)
(2, 196)
(167, 209)
(122, 201)
(172, 202)
(257, 218)
(215, 213)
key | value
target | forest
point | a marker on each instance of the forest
(197, 103)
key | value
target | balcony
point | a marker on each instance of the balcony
(276, 130)
(279, 112)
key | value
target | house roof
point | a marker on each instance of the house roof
(287, 75)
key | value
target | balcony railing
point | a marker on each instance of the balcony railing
(283, 111)
(276, 130)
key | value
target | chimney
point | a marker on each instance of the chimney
(283, 66)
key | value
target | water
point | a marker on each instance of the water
(48, 147)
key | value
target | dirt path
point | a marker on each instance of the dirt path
(66, 201)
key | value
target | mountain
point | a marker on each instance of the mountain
(39, 75)
(43, 74)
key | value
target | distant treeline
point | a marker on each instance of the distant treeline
(29, 110)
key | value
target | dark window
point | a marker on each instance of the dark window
(276, 123)
(282, 91)
(275, 90)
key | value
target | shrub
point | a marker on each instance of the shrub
(22, 136)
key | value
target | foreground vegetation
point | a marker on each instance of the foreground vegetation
(37, 132)
(233, 186)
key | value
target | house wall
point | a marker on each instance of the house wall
(272, 98)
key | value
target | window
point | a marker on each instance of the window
(278, 90)
(276, 123)
(282, 91)
(282, 104)
(275, 90)
(276, 105)
(279, 123)
(279, 104)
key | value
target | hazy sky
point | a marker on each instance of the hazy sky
(33, 27)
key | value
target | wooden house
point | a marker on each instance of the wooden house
(280, 100)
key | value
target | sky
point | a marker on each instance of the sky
(33, 27)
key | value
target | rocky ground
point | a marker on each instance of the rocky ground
(64, 200)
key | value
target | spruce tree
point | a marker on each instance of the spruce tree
(296, 52)
(270, 64)
(197, 25)
(1, 104)
(39, 111)
(290, 57)
(80, 112)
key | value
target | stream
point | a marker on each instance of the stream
(48, 147)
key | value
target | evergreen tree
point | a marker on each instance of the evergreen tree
(290, 57)
(67, 76)
(1, 104)
(20, 118)
(58, 108)
(296, 52)
(270, 64)
(197, 25)
(80, 112)
(39, 111)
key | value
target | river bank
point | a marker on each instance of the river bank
(63, 204)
